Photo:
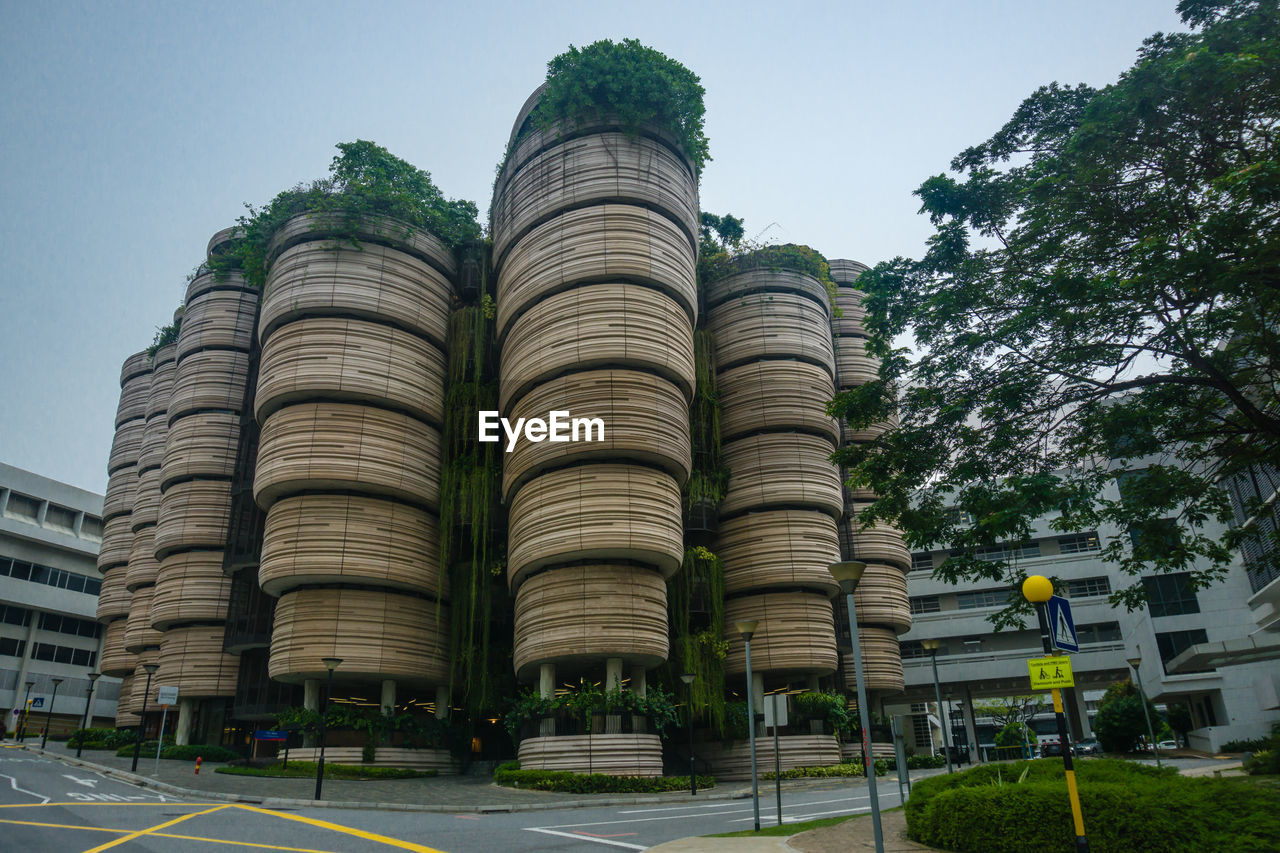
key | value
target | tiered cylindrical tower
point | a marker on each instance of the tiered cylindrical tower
(880, 600)
(190, 599)
(119, 658)
(595, 247)
(778, 518)
(350, 400)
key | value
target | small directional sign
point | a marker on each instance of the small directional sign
(1047, 673)
(167, 696)
(1062, 628)
(37, 702)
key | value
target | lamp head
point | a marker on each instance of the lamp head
(56, 681)
(331, 663)
(688, 678)
(847, 573)
(151, 668)
(94, 676)
(747, 627)
(1134, 662)
(1037, 589)
(931, 646)
(30, 684)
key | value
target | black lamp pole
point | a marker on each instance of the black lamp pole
(26, 709)
(88, 710)
(330, 664)
(48, 715)
(142, 723)
(688, 678)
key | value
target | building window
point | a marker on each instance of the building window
(91, 528)
(1088, 587)
(982, 598)
(911, 649)
(922, 562)
(69, 625)
(23, 506)
(63, 654)
(1173, 643)
(1170, 595)
(35, 573)
(923, 735)
(12, 647)
(1006, 551)
(1099, 632)
(959, 517)
(925, 604)
(11, 615)
(1080, 543)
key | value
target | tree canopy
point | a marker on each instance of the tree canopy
(1097, 307)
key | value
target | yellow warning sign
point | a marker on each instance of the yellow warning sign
(1047, 673)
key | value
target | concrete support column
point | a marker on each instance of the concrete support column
(547, 681)
(20, 686)
(971, 729)
(388, 697)
(186, 715)
(77, 528)
(638, 680)
(811, 683)
(442, 702)
(613, 674)
(42, 513)
(757, 691)
(1078, 712)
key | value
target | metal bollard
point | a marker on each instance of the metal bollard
(199, 761)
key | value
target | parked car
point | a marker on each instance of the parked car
(1051, 747)
(1168, 744)
(1088, 746)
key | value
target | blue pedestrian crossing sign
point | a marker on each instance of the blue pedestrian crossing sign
(1062, 628)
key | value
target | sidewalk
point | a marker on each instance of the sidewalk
(856, 834)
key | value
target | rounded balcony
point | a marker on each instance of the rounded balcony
(777, 394)
(194, 514)
(122, 490)
(795, 634)
(781, 469)
(209, 380)
(772, 325)
(133, 399)
(779, 549)
(143, 564)
(191, 658)
(138, 633)
(114, 660)
(126, 446)
(881, 661)
(117, 542)
(114, 598)
(202, 444)
(734, 288)
(190, 587)
(218, 319)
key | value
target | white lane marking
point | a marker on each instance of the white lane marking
(576, 837)
(716, 805)
(13, 783)
(771, 815)
(88, 783)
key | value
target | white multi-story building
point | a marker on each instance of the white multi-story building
(49, 538)
(975, 662)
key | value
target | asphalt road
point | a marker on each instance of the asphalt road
(46, 805)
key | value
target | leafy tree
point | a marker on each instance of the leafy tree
(1014, 734)
(1120, 723)
(1097, 307)
(1179, 718)
(1010, 710)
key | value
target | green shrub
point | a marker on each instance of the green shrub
(511, 775)
(307, 770)
(852, 768)
(1263, 762)
(101, 738)
(191, 751)
(1253, 745)
(1126, 807)
(126, 749)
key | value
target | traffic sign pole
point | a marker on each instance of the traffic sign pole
(1077, 817)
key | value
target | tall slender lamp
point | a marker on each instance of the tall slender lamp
(142, 722)
(26, 712)
(88, 710)
(330, 664)
(688, 679)
(48, 715)
(931, 646)
(746, 628)
(1135, 662)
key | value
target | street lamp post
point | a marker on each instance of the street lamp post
(26, 710)
(688, 679)
(847, 573)
(142, 722)
(48, 715)
(931, 646)
(88, 710)
(330, 664)
(746, 629)
(1038, 590)
(1135, 662)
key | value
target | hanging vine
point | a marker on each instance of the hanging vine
(695, 597)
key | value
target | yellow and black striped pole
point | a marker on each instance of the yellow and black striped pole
(1038, 590)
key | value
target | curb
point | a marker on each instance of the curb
(285, 802)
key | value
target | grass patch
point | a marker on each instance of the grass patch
(307, 770)
(788, 829)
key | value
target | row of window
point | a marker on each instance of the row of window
(36, 573)
(1078, 543)
(1173, 643)
(70, 625)
(1097, 632)
(13, 647)
(11, 615)
(1170, 595)
(1079, 588)
(57, 517)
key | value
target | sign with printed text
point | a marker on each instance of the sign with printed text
(1047, 673)
(270, 734)
(1062, 627)
(167, 696)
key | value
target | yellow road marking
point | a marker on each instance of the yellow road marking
(167, 835)
(171, 804)
(141, 832)
(337, 827)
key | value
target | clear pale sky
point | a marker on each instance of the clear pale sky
(131, 132)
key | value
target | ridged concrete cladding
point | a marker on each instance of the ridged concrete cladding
(126, 445)
(781, 547)
(114, 598)
(133, 399)
(122, 488)
(325, 539)
(117, 542)
(601, 511)
(143, 564)
(594, 326)
(190, 587)
(338, 446)
(125, 715)
(611, 242)
(610, 754)
(781, 469)
(881, 660)
(772, 325)
(795, 636)
(354, 360)
(114, 660)
(209, 379)
(373, 282)
(350, 396)
(881, 598)
(645, 417)
(595, 248)
(583, 613)
(202, 444)
(776, 394)
(146, 502)
(191, 658)
(138, 633)
(378, 634)
(193, 514)
(733, 761)
(139, 683)
(218, 319)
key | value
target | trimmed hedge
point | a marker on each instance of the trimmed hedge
(307, 770)
(191, 751)
(853, 768)
(1127, 807)
(101, 738)
(511, 775)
